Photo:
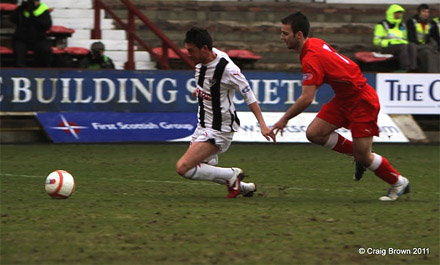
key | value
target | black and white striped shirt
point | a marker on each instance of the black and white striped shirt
(217, 82)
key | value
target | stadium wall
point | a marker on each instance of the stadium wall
(170, 91)
(136, 106)
(255, 25)
(137, 91)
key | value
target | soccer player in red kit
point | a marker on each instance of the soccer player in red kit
(355, 105)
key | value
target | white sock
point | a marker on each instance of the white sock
(332, 140)
(243, 185)
(211, 173)
(220, 181)
(377, 160)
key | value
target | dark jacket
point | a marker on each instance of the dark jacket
(435, 30)
(415, 34)
(92, 61)
(31, 25)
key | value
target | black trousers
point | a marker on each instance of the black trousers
(42, 53)
(428, 58)
(406, 54)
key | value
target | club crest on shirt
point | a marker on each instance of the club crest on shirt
(245, 90)
(203, 94)
(307, 76)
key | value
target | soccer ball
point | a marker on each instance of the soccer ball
(60, 184)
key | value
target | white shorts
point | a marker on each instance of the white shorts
(221, 139)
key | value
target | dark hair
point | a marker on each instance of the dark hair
(97, 46)
(198, 37)
(298, 22)
(421, 7)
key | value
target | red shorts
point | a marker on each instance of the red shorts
(357, 114)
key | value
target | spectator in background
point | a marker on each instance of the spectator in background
(32, 20)
(435, 31)
(96, 59)
(390, 35)
(435, 34)
(420, 33)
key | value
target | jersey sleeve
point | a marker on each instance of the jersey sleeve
(236, 79)
(313, 73)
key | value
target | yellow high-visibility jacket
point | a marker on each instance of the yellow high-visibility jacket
(390, 31)
(416, 32)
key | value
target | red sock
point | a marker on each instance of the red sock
(343, 145)
(386, 171)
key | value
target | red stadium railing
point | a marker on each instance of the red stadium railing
(130, 28)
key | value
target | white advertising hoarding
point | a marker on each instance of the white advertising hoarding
(409, 93)
(295, 131)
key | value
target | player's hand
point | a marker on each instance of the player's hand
(279, 126)
(268, 134)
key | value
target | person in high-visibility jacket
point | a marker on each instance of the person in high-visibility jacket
(32, 20)
(435, 31)
(420, 33)
(419, 26)
(390, 35)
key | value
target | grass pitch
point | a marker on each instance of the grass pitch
(130, 207)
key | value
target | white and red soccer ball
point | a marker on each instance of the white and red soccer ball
(60, 184)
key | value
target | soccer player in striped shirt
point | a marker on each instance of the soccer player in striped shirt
(217, 80)
(355, 105)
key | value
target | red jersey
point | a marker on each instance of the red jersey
(322, 64)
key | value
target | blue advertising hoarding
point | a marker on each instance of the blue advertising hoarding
(88, 127)
(57, 90)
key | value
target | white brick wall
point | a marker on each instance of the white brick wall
(79, 15)
(81, 4)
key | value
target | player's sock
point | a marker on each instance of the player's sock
(207, 172)
(383, 169)
(220, 181)
(339, 143)
(243, 185)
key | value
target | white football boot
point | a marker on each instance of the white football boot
(396, 190)
(233, 184)
(247, 189)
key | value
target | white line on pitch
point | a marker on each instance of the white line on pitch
(182, 182)
(16, 175)
(195, 183)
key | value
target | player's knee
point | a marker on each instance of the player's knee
(309, 135)
(185, 171)
(364, 158)
(312, 136)
(181, 169)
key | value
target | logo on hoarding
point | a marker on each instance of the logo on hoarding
(307, 76)
(69, 127)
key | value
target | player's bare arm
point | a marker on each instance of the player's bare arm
(306, 98)
(265, 131)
